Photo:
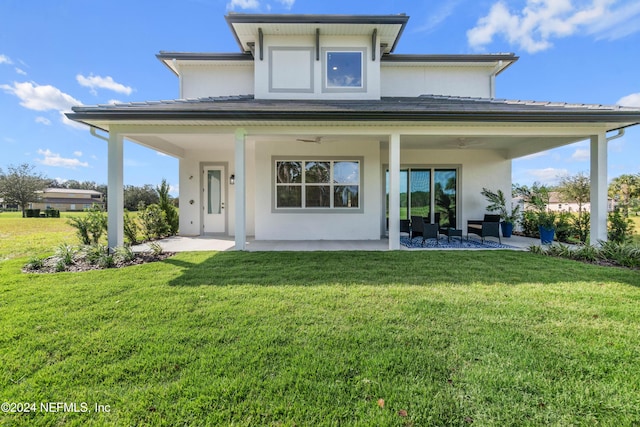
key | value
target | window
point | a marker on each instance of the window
(424, 191)
(317, 184)
(344, 70)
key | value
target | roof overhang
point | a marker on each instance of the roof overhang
(246, 27)
(172, 60)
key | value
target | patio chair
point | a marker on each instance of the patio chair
(405, 226)
(487, 227)
(416, 226)
(429, 231)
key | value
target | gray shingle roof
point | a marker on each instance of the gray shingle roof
(422, 108)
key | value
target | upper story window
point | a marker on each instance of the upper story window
(344, 70)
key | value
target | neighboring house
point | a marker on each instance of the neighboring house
(67, 199)
(7, 206)
(315, 129)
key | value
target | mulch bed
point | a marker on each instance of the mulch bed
(51, 264)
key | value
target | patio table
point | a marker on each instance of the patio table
(451, 232)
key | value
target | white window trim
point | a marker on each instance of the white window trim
(327, 210)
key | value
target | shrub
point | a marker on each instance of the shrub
(625, 254)
(580, 226)
(90, 228)
(170, 211)
(620, 227)
(124, 254)
(105, 261)
(529, 222)
(131, 229)
(154, 223)
(65, 253)
(586, 253)
(35, 263)
(155, 249)
(93, 253)
(563, 226)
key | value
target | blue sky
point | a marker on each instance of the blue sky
(55, 54)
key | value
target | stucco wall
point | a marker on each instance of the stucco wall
(318, 226)
(216, 79)
(412, 80)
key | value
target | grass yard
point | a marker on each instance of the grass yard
(404, 338)
(21, 237)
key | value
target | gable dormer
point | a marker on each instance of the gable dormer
(317, 56)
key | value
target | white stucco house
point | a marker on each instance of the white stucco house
(317, 130)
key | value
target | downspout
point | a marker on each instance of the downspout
(93, 132)
(492, 79)
(616, 136)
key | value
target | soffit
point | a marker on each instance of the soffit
(246, 27)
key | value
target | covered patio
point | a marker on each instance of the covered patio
(245, 140)
(211, 243)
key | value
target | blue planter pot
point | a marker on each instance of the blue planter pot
(546, 235)
(507, 229)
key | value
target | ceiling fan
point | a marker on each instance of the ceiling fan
(316, 140)
(463, 143)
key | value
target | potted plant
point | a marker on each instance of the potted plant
(546, 226)
(498, 203)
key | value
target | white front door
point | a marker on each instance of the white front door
(213, 199)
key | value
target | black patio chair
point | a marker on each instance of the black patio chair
(430, 231)
(487, 227)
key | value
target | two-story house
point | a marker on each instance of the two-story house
(317, 130)
(68, 199)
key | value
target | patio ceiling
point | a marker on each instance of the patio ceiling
(511, 146)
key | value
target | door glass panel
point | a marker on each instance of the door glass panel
(213, 190)
(420, 192)
(445, 184)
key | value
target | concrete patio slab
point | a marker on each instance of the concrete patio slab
(225, 243)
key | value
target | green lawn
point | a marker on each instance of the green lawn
(442, 337)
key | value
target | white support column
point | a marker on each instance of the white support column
(394, 192)
(240, 189)
(598, 188)
(115, 196)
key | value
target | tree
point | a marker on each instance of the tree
(133, 196)
(537, 196)
(575, 188)
(625, 190)
(20, 185)
(167, 207)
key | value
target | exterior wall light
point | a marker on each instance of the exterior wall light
(232, 179)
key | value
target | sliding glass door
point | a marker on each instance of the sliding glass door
(424, 191)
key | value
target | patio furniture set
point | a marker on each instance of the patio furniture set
(419, 226)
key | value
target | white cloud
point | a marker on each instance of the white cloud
(77, 153)
(5, 60)
(43, 120)
(20, 71)
(94, 82)
(54, 159)
(632, 100)
(541, 21)
(548, 175)
(287, 3)
(438, 16)
(162, 154)
(43, 98)
(581, 155)
(243, 4)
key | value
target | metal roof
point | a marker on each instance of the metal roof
(246, 27)
(397, 109)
